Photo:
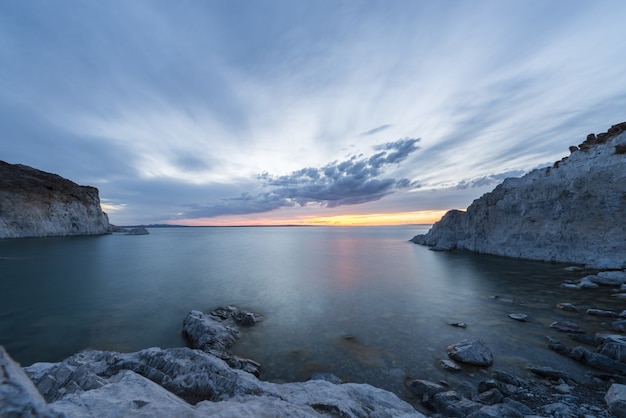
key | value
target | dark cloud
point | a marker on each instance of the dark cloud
(375, 130)
(350, 182)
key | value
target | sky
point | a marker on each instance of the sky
(323, 112)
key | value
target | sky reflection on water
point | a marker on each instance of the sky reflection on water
(362, 303)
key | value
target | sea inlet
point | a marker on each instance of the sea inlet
(362, 303)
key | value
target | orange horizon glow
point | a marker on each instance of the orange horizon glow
(372, 219)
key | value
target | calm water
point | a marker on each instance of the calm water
(315, 286)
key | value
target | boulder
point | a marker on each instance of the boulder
(215, 333)
(471, 351)
(616, 400)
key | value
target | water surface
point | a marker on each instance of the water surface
(361, 302)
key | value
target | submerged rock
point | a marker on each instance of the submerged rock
(544, 214)
(566, 326)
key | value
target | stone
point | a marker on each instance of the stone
(543, 214)
(471, 351)
(608, 278)
(424, 388)
(603, 313)
(616, 400)
(519, 317)
(566, 326)
(449, 365)
(39, 204)
(585, 283)
(490, 397)
(550, 373)
(496, 411)
(567, 307)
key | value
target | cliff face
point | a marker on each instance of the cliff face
(34, 203)
(574, 211)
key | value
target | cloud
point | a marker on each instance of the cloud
(375, 130)
(488, 180)
(355, 180)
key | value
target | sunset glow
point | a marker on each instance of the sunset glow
(374, 219)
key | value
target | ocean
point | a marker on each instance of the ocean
(362, 303)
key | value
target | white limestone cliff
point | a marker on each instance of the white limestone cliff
(573, 212)
(34, 203)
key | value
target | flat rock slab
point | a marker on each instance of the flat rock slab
(566, 326)
(519, 317)
(471, 351)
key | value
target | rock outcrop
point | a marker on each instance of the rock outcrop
(573, 211)
(179, 382)
(34, 203)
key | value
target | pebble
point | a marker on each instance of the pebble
(519, 317)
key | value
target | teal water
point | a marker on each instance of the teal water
(362, 303)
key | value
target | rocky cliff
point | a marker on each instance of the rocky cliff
(34, 203)
(573, 211)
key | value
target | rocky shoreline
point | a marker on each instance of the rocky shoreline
(207, 379)
(570, 212)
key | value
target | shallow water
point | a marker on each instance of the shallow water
(362, 303)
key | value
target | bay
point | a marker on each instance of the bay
(360, 302)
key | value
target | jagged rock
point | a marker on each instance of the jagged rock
(18, 396)
(616, 400)
(500, 410)
(471, 351)
(216, 333)
(544, 214)
(39, 204)
(180, 381)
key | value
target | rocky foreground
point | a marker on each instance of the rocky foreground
(34, 203)
(572, 212)
(208, 380)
